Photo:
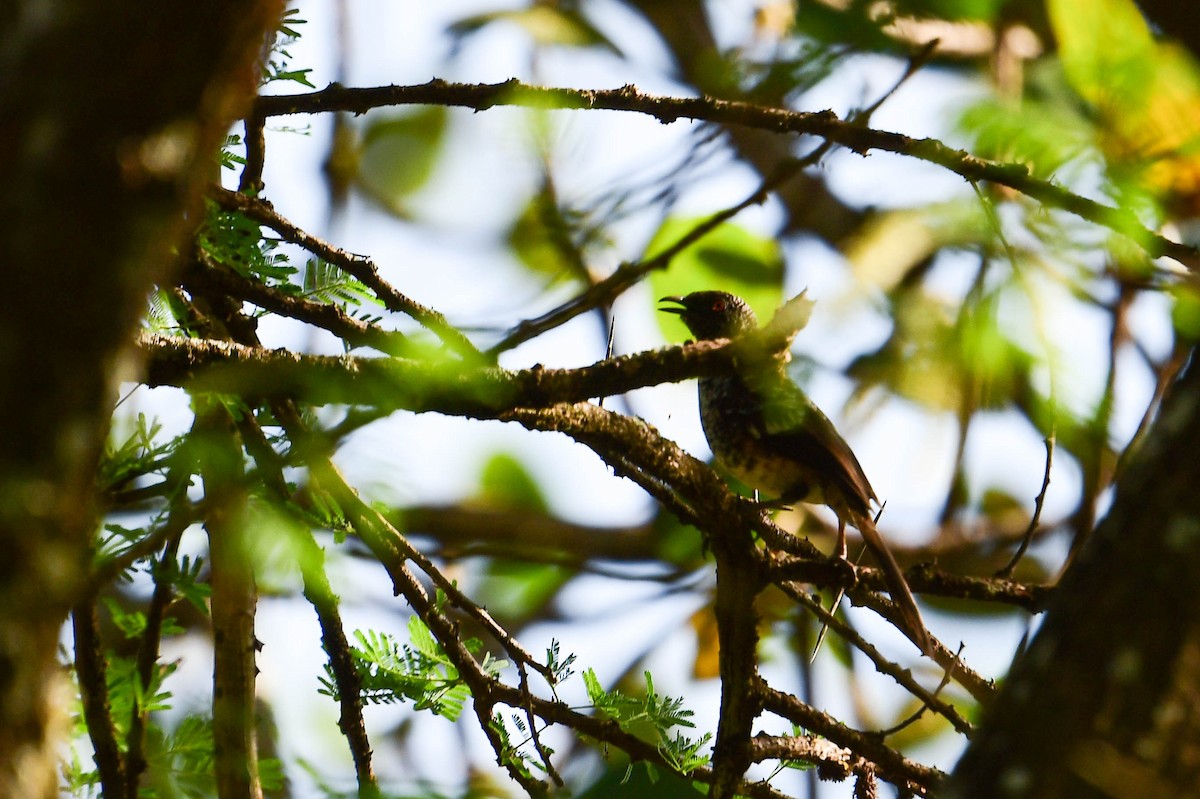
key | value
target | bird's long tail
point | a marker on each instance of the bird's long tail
(914, 627)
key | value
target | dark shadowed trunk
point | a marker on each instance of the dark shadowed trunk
(1106, 701)
(110, 113)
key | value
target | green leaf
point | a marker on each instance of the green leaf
(651, 717)
(422, 639)
(185, 577)
(391, 672)
(559, 666)
(1044, 133)
(132, 624)
(138, 454)
(1107, 51)
(591, 684)
(505, 483)
(550, 239)
(398, 153)
(276, 68)
(237, 241)
(728, 258)
(326, 282)
(179, 763)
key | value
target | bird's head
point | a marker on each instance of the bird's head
(713, 314)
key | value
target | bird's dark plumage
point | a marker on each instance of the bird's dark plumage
(765, 431)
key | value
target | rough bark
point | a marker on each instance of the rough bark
(1106, 701)
(109, 115)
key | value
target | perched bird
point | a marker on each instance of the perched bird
(766, 432)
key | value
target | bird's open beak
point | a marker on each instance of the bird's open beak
(677, 300)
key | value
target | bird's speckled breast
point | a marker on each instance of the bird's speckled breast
(732, 421)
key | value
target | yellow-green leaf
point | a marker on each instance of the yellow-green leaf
(1107, 51)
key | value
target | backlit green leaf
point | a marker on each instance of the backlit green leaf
(729, 258)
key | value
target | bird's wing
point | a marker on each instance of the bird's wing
(796, 428)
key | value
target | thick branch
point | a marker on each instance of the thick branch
(91, 670)
(451, 387)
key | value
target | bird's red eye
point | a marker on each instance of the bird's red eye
(718, 305)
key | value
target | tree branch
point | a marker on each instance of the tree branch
(889, 763)
(91, 669)
(234, 596)
(207, 277)
(361, 268)
(824, 124)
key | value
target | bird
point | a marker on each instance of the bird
(765, 431)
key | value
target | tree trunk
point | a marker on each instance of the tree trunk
(110, 113)
(1106, 701)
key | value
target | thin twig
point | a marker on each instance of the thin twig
(534, 734)
(916, 715)
(916, 62)
(902, 676)
(1034, 520)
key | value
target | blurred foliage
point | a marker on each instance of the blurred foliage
(891, 245)
(547, 24)
(504, 482)
(391, 156)
(1047, 131)
(729, 256)
(555, 240)
(1145, 95)
(947, 363)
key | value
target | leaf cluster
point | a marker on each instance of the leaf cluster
(418, 671)
(653, 716)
